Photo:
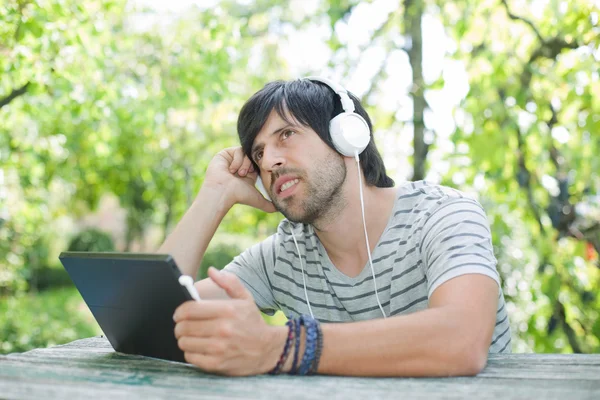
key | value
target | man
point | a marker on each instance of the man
(432, 256)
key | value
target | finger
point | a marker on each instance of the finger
(191, 344)
(245, 167)
(266, 205)
(202, 310)
(238, 159)
(205, 362)
(205, 329)
(230, 283)
(206, 346)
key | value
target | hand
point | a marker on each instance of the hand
(233, 171)
(228, 337)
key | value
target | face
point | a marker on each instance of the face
(303, 175)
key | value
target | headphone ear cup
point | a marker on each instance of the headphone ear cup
(349, 133)
(261, 188)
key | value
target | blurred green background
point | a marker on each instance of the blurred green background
(110, 111)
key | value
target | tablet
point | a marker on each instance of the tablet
(133, 297)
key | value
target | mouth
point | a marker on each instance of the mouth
(287, 188)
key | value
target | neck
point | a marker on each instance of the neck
(343, 235)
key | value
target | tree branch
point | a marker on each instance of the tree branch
(523, 174)
(14, 94)
(518, 18)
(550, 49)
(22, 5)
(571, 335)
(376, 35)
(380, 74)
(413, 15)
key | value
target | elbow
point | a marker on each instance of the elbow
(474, 358)
(475, 362)
(465, 362)
(470, 359)
(472, 348)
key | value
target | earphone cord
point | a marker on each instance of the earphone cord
(362, 207)
(302, 267)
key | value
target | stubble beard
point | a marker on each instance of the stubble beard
(322, 200)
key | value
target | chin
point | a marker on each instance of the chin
(290, 215)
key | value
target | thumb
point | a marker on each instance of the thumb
(230, 283)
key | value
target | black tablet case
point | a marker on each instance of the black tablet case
(133, 297)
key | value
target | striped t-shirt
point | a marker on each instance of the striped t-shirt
(434, 234)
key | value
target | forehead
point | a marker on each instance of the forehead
(273, 123)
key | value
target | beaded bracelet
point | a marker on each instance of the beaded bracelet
(298, 327)
(277, 369)
(315, 365)
(310, 326)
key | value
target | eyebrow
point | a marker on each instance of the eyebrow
(260, 146)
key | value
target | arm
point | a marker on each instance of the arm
(229, 180)
(451, 337)
(188, 242)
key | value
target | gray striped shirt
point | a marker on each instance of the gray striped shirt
(434, 234)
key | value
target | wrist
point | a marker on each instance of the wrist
(216, 195)
(275, 343)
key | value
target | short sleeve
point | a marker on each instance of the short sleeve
(456, 240)
(252, 267)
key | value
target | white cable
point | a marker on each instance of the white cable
(362, 207)
(302, 267)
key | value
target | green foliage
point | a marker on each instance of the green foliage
(92, 240)
(109, 109)
(90, 104)
(218, 257)
(526, 144)
(527, 133)
(57, 316)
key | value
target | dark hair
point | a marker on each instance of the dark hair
(312, 104)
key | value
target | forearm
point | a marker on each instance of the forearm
(190, 238)
(433, 342)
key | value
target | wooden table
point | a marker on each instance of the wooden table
(89, 368)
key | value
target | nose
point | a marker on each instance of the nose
(273, 159)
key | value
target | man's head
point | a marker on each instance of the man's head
(283, 109)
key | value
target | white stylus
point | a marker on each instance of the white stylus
(187, 282)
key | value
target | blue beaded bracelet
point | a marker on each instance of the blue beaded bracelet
(315, 365)
(310, 326)
(298, 329)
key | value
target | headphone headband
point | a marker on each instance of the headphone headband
(347, 103)
(349, 132)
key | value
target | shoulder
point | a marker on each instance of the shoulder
(428, 191)
(430, 195)
(426, 202)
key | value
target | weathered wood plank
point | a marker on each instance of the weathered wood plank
(90, 367)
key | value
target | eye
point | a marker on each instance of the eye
(257, 156)
(286, 134)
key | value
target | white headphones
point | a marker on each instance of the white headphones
(349, 131)
(350, 136)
